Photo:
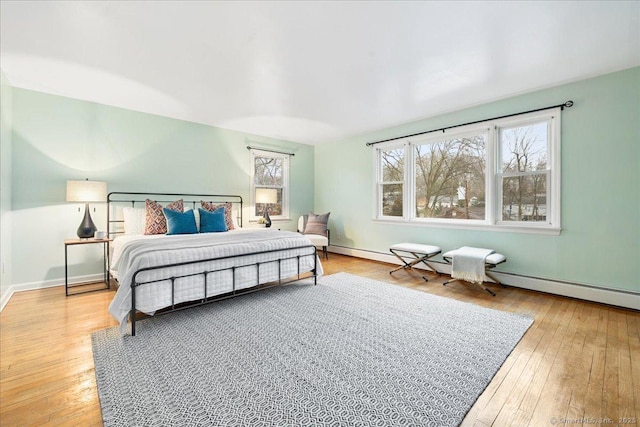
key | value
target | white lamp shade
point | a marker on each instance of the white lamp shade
(266, 195)
(86, 191)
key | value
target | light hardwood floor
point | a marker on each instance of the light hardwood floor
(578, 361)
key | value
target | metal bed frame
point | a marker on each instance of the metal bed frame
(122, 197)
(119, 197)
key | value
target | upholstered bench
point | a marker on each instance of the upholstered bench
(490, 261)
(411, 254)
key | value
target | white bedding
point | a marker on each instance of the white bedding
(133, 252)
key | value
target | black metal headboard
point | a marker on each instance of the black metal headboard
(121, 198)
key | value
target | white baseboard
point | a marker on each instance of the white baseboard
(574, 290)
(593, 293)
(6, 296)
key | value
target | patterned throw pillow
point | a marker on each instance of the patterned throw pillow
(228, 214)
(317, 224)
(156, 223)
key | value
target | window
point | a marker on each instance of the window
(392, 182)
(524, 173)
(450, 178)
(271, 171)
(502, 174)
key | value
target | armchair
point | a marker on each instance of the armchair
(315, 229)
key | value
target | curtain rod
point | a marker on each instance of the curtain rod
(270, 151)
(567, 104)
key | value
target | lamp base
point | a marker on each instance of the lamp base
(266, 217)
(87, 227)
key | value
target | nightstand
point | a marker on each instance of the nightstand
(74, 242)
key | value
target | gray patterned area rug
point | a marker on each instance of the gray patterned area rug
(348, 352)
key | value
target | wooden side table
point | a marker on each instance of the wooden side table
(74, 242)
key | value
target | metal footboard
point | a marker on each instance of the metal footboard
(206, 299)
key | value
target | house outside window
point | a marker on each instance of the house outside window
(270, 171)
(499, 175)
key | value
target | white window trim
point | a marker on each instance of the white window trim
(378, 181)
(285, 180)
(493, 188)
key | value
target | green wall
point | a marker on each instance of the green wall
(5, 183)
(53, 139)
(599, 243)
(56, 139)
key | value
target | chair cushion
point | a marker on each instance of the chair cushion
(317, 240)
(417, 248)
(495, 258)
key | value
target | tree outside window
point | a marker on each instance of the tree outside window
(392, 185)
(450, 178)
(524, 173)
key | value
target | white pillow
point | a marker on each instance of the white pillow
(196, 214)
(134, 220)
(235, 213)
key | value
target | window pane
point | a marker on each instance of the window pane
(268, 171)
(450, 178)
(392, 199)
(274, 208)
(524, 198)
(392, 165)
(524, 148)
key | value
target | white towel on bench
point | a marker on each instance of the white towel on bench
(468, 264)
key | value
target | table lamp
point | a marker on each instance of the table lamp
(86, 192)
(267, 196)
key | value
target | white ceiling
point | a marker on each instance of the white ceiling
(310, 71)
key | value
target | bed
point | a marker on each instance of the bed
(160, 273)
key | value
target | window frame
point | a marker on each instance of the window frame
(285, 184)
(379, 180)
(442, 137)
(552, 172)
(493, 176)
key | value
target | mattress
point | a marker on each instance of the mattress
(241, 249)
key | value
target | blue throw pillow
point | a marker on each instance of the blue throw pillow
(180, 222)
(212, 222)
